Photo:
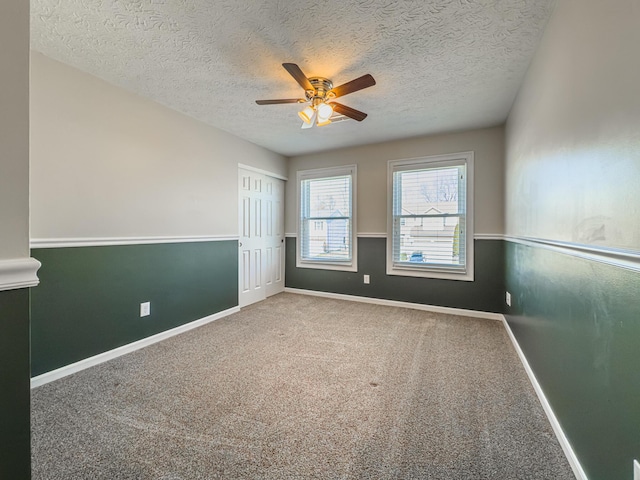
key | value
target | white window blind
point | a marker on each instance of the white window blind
(325, 223)
(429, 218)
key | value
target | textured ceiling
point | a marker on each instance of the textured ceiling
(440, 65)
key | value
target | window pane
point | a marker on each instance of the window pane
(430, 240)
(330, 242)
(433, 191)
(429, 215)
(326, 219)
(329, 197)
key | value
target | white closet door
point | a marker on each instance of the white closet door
(251, 238)
(274, 235)
(261, 237)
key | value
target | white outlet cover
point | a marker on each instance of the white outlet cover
(508, 298)
(636, 470)
(367, 279)
(145, 309)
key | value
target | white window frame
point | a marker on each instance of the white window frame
(428, 271)
(346, 266)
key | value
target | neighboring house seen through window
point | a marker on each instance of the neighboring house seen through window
(326, 219)
(430, 230)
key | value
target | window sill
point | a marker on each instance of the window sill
(341, 267)
(430, 273)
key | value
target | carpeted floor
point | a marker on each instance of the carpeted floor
(303, 387)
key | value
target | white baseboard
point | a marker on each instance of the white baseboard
(123, 350)
(396, 303)
(553, 420)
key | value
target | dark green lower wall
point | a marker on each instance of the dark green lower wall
(88, 301)
(486, 293)
(578, 323)
(15, 453)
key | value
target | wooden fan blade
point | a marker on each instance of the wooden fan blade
(348, 111)
(282, 100)
(364, 81)
(301, 78)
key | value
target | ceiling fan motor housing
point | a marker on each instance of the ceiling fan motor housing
(322, 90)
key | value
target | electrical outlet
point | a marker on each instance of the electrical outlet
(145, 309)
(367, 279)
(636, 470)
(508, 298)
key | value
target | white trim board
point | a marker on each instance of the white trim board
(553, 420)
(19, 273)
(477, 236)
(488, 236)
(627, 259)
(396, 303)
(123, 350)
(371, 234)
(109, 241)
(263, 172)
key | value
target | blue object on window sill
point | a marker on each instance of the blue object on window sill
(416, 257)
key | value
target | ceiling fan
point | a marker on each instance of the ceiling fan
(319, 94)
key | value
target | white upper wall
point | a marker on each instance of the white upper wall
(573, 134)
(488, 145)
(14, 129)
(107, 163)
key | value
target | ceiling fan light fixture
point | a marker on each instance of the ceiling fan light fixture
(324, 113)
(307, 114)
(311, 122)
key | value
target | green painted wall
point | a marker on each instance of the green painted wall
(486, 293)
(15, 450)
(88, 301)
(578, 323)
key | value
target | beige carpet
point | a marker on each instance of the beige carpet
(303, 387)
